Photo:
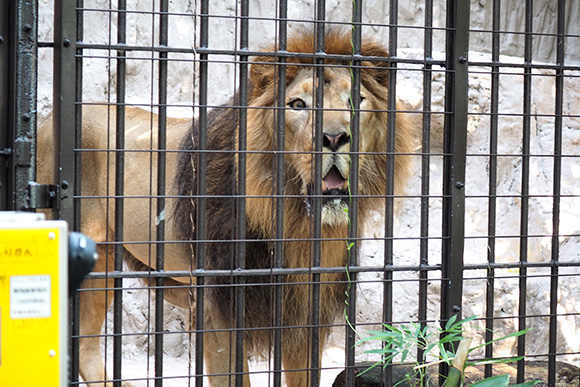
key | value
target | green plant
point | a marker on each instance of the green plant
(400, 344)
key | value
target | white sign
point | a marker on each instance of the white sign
(30, 296)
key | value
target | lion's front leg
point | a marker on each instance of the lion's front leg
(220, 354)
(296, 357)
(94, 305)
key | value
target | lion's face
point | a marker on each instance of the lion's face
(374, 162)
(336, 138)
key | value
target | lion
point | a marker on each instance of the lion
(222, 177)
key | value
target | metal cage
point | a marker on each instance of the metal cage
(487, 225)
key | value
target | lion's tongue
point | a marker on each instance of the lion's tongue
(333, 179)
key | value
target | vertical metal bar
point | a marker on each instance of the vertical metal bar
(492, 201)
(79, 18)
(556, 192)
(6, 137)
(241, 192)
(161, 189)
(24, 70)
(200, 248)
(75, 298)
(455, 139)
(22, 102)
(387, 375)
(279, 138)
(64, 104)
(320, 32)
(353, 187)
(119, 192)
(425, 169)
(525, 184)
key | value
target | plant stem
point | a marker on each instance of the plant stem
(455, 376)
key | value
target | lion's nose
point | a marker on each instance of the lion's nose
(335, 141)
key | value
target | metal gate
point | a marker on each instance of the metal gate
(488, 224)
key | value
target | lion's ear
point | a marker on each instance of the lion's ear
(378, 70)
(262, 73)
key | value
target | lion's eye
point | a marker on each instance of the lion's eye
(297, 104)
(360, 101)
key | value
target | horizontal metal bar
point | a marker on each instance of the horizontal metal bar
(272, 53)
(255, 272)
(258, 18)
(326, 270)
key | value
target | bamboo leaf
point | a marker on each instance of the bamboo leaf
(515, 334)
(495, 381)
(495, 361)
(528, 384)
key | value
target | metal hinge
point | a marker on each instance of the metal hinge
(43, 195)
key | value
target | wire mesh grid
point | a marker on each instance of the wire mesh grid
(486, 223)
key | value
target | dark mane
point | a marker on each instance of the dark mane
(221, 207)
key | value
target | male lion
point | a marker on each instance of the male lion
(97, 218)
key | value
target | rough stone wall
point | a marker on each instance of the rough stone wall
(99, 85)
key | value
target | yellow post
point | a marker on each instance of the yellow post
(33, 301)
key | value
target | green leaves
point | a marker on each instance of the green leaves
(400, 343)
(501, 381)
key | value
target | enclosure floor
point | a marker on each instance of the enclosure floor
(140, 374)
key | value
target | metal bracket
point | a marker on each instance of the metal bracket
(43, 195)
(23, 152)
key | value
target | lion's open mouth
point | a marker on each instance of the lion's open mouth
(333, 181)
(334, 187)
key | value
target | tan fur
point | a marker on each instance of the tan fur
(139, 224)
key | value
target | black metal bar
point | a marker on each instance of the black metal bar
(352, 242)
(387, 375)
(524, 215)
(556, 192)
(492, 189)
(22, 100)
(241, 191)
(161, 189)
(78, 115)
(425, 171)
(63, 106)
(201, 175)
(279, 139)
(319, 69)
(75, 298)
(326, 270)
(119, 193)
(6, 137)
(66, 35)
(455, 139)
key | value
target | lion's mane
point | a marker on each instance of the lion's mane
(221, 190)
